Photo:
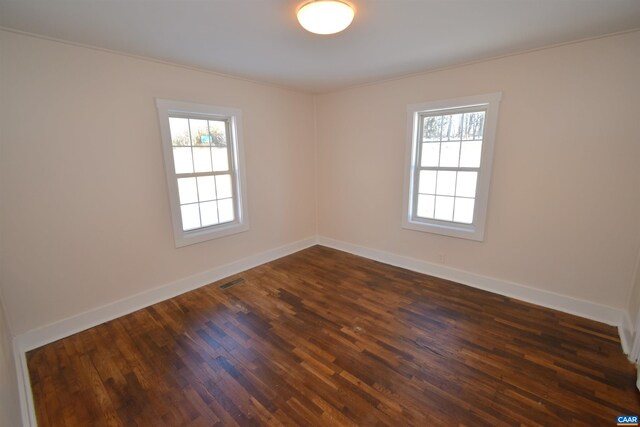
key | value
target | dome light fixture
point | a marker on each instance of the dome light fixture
(325, 16)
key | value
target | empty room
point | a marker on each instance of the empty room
(319, 213)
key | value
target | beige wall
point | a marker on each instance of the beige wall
(9, 404)
(85, 220)
(85, 216)
(564, 207)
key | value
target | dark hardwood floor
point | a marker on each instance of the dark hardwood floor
(322, 337)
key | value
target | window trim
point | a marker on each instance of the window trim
(475, 230)
(167, 108)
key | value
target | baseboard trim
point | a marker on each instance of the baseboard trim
(625, 330)
(80, 322)
(633, 342)
(77, 323)
(27, 409)
(598, 312)
(69, 326)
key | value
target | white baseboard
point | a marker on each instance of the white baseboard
(38, 337)
(80, 322)
(625, 330)
(579, 307)
(27, 409)
(69, 326)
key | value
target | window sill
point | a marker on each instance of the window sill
(186, 238)
(461, 231)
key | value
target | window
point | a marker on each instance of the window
(449, 159)
(203, 162)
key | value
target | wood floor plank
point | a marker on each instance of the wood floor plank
(322, 337)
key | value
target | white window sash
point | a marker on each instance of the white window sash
(233, 119)
(474, 231)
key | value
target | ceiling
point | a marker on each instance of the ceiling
(261, 39)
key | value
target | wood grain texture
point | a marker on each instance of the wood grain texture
(322, 337)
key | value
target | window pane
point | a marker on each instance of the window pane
(209, 213)
(464, 210)
(206, 188)
(220, 159)
(179, 131)
(190, 217)
(446, 123)
(473, 125)
(466, 184)
(427, 183)
(223, 186)
(187, 190)
(425, 206)
(199, 132)
(453, 128)
(446, 183)
(225, 210)
(470, 154)
(430, 154)
(444, 208)
(202, 159)
(182, 159)
(478, 125)
(432, 127)
(218, 131)
(450, 154)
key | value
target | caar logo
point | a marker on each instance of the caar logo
(627, 420)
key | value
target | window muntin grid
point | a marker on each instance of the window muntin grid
(203, 164)
(448, 160)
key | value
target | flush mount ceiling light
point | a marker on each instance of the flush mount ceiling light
(325, 16)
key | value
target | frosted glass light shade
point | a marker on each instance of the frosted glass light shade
(325, 16)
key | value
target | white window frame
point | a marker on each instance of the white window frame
(474, 231)
(234, 117)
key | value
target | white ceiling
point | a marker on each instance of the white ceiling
(261, 39)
